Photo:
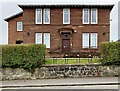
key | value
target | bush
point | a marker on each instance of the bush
(26, 56)
(110, 52)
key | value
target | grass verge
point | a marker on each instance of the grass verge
(72, 60)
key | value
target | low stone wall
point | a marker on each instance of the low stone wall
(60, 71)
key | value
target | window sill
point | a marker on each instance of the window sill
(20, 31)
(90, 24)
(66, 23)
(90, 48)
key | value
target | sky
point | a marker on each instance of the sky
(10, 8)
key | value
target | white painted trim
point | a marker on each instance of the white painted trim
(49, 16)
(96, 16)
(88, 16)
(68, 16)
(36, 15)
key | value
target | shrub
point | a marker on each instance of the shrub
(25, 56)
(110, 52)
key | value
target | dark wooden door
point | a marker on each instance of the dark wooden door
(66, 45)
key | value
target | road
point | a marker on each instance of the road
(68, 83)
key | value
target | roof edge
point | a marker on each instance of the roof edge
(55, 5)
(8, 18)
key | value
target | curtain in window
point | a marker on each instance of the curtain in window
(47, 40)
(85, 16)
(38, 16)
(38, 38)
(66, 16)
(94, 16)
(93, 39)
(85, 40)
(46, 16)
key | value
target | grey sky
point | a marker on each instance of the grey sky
(11, 8)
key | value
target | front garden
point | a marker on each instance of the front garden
(29, 56)
(27, 61)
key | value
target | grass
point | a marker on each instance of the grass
(72, 61)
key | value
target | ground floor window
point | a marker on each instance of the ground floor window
(85, 40)
(38, 39)
(43, 38)
(89, 40)
(93, 40)
(47, 40)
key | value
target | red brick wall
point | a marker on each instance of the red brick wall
(13, 34)
(56, 22)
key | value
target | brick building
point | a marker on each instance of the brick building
(64, 28)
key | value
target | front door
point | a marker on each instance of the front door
(66, 45)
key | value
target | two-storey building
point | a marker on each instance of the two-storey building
(63, 28)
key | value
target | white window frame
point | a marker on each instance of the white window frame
(88, 16)
(36, 16)
(47, 46)
(95, 17)
(48, 16)
(85, 41)
(21, 25)
(68, 16)
(36, 37)
(91, 40)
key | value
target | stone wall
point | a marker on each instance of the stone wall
(60, 71)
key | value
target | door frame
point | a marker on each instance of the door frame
(65, 36)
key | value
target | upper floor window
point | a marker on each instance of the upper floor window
(86, 16)
(19, 26)
(38, 18)
(93, 16)
(66, 16)
(46, 16)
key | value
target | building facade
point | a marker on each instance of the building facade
(62, 28)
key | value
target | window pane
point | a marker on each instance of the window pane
(85, 16)
(47, 40)
(94, 16)
(19, 26)
(38, 16)
(38, 38)
(93, 40)
(46, 16)
(66, 16)
(85, 40)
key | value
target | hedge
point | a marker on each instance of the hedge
(26, 56)
(110, 53)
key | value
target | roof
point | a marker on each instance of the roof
(13, 16)
(68, 4)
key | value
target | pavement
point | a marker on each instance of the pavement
(63, 82)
